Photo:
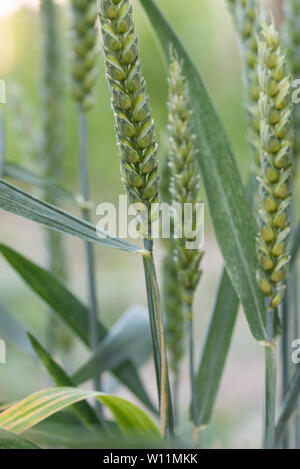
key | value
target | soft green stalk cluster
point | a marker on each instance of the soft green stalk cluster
(247, 23)
(276, 165)
(84, 46)
(174, 317)
(130, 103)
(185, 179)
(293, 46)
(52, 125)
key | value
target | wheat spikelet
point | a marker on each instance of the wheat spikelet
(130, 103)
(276, 165)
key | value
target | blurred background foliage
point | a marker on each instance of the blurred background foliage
(206, 28)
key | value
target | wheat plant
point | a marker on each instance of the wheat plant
(258, 247)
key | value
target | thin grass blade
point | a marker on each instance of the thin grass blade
(21, 203)
(216, 347)
(41, 405)
(83, 410)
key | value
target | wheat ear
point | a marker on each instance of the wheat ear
(84, 50)
(130, 103)
(185, 183)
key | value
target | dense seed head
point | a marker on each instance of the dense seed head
(185, 178)
(247, 24)
(84, 51)
(276, 164)
(130, 103)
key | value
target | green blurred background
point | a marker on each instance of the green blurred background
(206, 28)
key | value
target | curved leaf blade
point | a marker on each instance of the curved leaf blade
(62, 302)
(83, 410)
(41, 405)
(21, 203)
(233, 221)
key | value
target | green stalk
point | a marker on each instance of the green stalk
(270, 397)
(89, 250)
(193, 384)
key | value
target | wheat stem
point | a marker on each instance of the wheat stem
(89, 251)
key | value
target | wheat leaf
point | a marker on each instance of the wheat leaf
(41, 405)
(21, 203)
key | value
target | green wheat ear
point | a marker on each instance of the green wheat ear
(185, 178)
(293, 46)
(130, 103)
(276, 165)
(84, 50)
(247, 24)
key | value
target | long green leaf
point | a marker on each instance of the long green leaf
(127, 338)
(21, 203)
(83, 410)
(41, 405)
(289, 406)
(234, 223)
(215, 348)
(10, 441)
(54, 293)
(18, 173)
(62, 302)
